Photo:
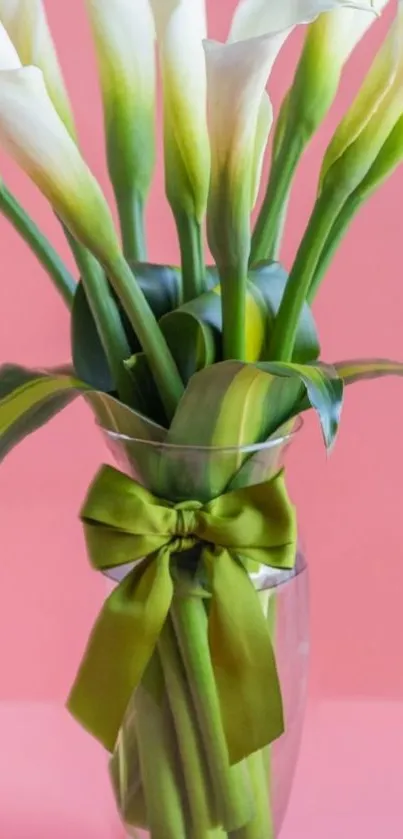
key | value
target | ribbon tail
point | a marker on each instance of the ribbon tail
(243, 658)
(120, 647)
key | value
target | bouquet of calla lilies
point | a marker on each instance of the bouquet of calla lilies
(209, 355)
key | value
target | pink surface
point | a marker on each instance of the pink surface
(350, 506)
(54, 782)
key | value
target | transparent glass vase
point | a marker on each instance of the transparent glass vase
(160, 771)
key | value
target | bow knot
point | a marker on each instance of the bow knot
(125, 523)
(187, 519)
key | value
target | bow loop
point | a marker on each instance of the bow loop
(123, 523)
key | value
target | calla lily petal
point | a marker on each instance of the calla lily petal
(259, 17)
(9, 59)
(263, 128)
(373, 114)
(236, 78)
(329, 43)
(34, 135)
(181, 28)
(27, 26)
(124, 35)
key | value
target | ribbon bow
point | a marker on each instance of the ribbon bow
(124, 522)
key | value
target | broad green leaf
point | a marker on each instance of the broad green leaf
(30, 398)
(162, 286)
(359, 369)
(232, 405)
(89, 357)
(270, 279)
(237, 404)
(194, 331)
(324, 392)
(146, 397)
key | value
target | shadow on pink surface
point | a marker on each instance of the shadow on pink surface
(54, 782)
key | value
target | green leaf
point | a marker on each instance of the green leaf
(237, 404)
(161, 285)
(359, 369)
(30, 398)
(323, 390)
(271, 278)
(146, 397)
(194, 331)
(233, 405)
(89, 356)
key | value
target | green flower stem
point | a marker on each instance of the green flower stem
(233, 298)
(130, 206)
(142, 319)
(299, 281)
(158, 757)
(233, 801)
(262, 823)
(195, 773)
(268, 231)
(39, 244)
(342, 222)
(192, 256)
(107, 317)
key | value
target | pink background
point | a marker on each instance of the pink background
(349, 505)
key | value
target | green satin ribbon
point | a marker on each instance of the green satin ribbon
(124, 522)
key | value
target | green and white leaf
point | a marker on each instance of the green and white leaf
(30, 398)
(358, 370)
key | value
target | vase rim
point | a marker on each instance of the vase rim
(271, 442)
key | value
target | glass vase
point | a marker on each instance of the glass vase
(162, 770)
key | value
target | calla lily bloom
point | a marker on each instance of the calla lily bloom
(124, 35)
(33, 134)
(181, 28)
(27, 25)
(371, 118)
(329, 43)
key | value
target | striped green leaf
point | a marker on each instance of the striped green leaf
(360, 369)
(237, 404)
(233, 405)
(194, 331)
(30, 398)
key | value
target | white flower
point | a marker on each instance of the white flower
(34, 135)
(181, 28)
(371, 118)
(27, 26)
(236, 78)
(258, 17)
(124, 36)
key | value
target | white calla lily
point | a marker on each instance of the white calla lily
(329, 43)
(9, 58)
(331, 37)
(181, 28)
(369, 136)
(124, 36)
(34, 135)
(371, 118)
(237, 74)
(236, 78)
(28, 28)
(253, 18)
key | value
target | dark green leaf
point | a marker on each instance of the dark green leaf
(89, 357)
